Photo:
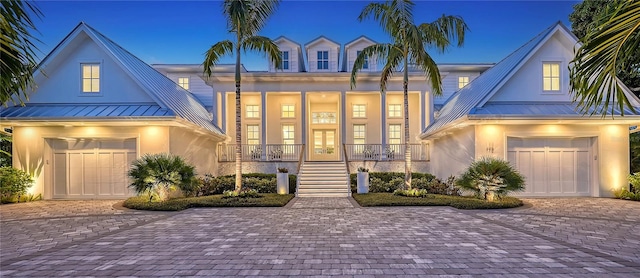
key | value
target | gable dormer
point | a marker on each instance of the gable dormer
(351, 51)
(291, 53)
(322, 54)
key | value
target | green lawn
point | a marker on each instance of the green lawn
(388, 199)
(267, 200)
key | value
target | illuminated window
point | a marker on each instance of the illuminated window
(183, 82)
(285, 60)
(90, 78)
(323, 60)
(395, 110)
(288, 111)
(359, 111)
(395, 135)
(462, 81)
(359, 134)
(252, 111)
(323, 117)
(288, 134)
(253, 135)
(551, 76)
(366, 61)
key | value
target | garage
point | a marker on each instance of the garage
(91, 168)
(553, 166)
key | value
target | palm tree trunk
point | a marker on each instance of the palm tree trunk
(238, 125)
(407, 147)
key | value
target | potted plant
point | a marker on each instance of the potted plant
(283, 180)
(363, 180)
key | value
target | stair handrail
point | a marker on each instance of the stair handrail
(346, 158)
(300, 159)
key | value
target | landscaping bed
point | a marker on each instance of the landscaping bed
(266, 200)
(459, 202)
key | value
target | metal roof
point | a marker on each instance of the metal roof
(168, 95)
(554, 109)
(53, 111)
(461, 103)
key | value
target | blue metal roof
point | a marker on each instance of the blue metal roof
(553, 109)
(469, 97)
(171, 99)
(89, 111)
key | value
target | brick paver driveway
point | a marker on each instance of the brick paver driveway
(579, 237)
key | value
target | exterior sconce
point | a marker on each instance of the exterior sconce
(490, 147)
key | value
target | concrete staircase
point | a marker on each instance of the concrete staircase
(323, 179)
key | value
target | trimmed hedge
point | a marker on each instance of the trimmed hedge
(390, 181)
(266, 200)
(459, 202)
(263, 183)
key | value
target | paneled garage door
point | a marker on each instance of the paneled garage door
(92, 169)
(553, 166)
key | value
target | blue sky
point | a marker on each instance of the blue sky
(171, 32)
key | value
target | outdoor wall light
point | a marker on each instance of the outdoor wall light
(490, 148)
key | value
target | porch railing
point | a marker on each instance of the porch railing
(388, 152)
(268, 152)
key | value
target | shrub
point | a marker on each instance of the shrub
(283, 170)
(387, 177)
(245, 193)
(625, 194)
(490, 176)
(414, 192)
(634, 179)
(161, 173)
(14, 182)
(263, 183)
(363, 169)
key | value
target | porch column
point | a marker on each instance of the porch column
(263, 123)
(343, 118)
(223, 100)
(422, 111)
(383, 120)
(303, 116)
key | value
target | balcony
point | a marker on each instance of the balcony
(270, 152)
(387, 152)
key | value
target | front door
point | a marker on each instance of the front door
(324, 145)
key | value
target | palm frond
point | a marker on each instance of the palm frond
(593, 71)
(443, 31)
(266, 46)
(247, 17)
(394, 58)
(213, 55)
(381, 51)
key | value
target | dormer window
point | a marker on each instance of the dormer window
(285, 60)
(462, 81)
(323, 60)
(90, 78)
(366, 61)
(551, 76)
(183, 82)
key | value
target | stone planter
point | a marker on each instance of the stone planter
(363, 182)
(283, 183)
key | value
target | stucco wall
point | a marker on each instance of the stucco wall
(452, 154)
(197, 149)
(389, 166)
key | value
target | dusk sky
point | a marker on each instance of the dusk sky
(170, 32)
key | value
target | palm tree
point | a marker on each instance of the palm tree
(408, 47)
(605, 49)
(245, 18)
(17, 50)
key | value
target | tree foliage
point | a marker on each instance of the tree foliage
(408, 49)
(14, 182)
(491, 175)
(160, 173)
(17, 50)
(610, 36)
(245, 19)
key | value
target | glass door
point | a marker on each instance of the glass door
(324, 144)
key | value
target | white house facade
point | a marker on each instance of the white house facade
(98, 107)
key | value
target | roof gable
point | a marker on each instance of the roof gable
(282, 39)
(473, 96)
(359, 40)
(319, 40)
(166, 93)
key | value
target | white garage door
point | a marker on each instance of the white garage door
(92, 169)
(553, 166)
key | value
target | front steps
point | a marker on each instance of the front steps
(323, 179)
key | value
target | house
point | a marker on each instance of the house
(98, 107)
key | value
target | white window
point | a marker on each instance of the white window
(395, 110)
(288, 134)
(285, 60)
(359, 111)
(90, 78)
(359, 132)
(366, 61)
(252, 111)
(183, 82)
(462, 81)
(395, 135)
(323, 117)
(253, 135)
(551, 76)
(323, 60)
(288, 111)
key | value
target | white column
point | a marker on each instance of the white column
(263, 122)
(303, 117)
(383, 119)
(223, 97)
(343, 118)
(423, 122)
